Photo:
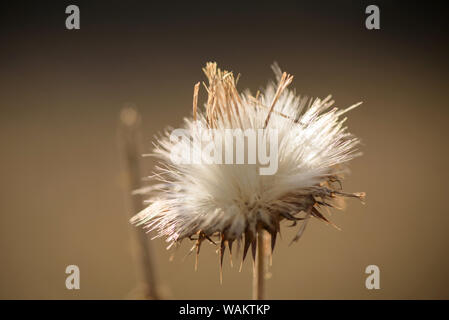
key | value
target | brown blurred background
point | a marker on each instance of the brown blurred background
(62, 196)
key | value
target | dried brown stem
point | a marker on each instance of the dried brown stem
(261, 264)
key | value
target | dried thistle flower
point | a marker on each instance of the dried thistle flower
(235, 202)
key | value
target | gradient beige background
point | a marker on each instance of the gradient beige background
(62, 195)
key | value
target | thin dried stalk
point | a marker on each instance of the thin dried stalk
(261, 264)
(129, 136)
(286, 79)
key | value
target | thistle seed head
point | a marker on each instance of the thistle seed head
(233, 202)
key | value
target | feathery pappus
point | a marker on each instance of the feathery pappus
(234, 202)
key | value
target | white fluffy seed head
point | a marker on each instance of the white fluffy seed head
(234, 201)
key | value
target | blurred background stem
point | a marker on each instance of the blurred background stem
(130, 149)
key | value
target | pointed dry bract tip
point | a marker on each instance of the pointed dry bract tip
(230, 252)
(196, 89)
(361, 196)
